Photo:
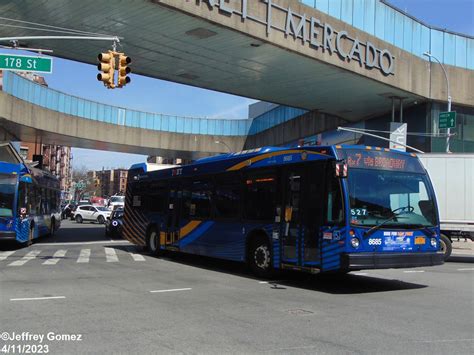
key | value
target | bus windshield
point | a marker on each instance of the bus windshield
(7, 194)
(405, 198)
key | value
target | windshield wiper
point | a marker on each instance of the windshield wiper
(402, 210)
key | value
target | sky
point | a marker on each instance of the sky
(155, 95)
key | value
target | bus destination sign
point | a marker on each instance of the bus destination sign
(367, 159)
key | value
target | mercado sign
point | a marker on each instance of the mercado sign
(309, 30)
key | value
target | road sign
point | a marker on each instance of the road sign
(398, 134)
(26, 63)
(447, 119)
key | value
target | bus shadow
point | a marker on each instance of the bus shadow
(327, 283)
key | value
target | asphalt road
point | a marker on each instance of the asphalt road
(121, 300)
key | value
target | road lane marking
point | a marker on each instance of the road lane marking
(61, 253)
(413, 271)
(29, 256)
(360, 273)
(111, 255)
(172, 290)
(466, 269)
(84, 256)
(85, 243)
(6, 254)
(38, 298)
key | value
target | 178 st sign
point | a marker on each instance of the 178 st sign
(310, 31)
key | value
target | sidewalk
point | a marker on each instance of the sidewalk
(463, 251)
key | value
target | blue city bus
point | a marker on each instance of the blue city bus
(313, 208)
(29, 202)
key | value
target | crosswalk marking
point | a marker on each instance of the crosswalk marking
(61, 253)
(110, 255)
(6, 254)
(29, 256)
(84, 256)
(135, 256)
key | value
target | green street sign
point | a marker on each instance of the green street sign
(447, 119)
(26, 63)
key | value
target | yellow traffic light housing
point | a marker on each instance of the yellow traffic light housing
(107, 68)
(123, 70)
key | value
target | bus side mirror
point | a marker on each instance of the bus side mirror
(340, 169)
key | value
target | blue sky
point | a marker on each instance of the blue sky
(160, 96)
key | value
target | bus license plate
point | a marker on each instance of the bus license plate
(420, 240)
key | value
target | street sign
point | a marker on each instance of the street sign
(26, 63)
(398, 134)
(447, 119)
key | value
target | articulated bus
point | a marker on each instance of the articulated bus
(315, 209)
(29, 202)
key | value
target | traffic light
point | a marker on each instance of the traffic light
(107, 68)
(123, 70)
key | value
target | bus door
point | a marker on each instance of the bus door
(302, 214)
(290, 216)
(172, 224)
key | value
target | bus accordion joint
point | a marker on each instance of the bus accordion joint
(340, 168)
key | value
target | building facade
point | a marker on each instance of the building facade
(109, 182)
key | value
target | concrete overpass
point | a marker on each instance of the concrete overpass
(342, 68)
(280, 51)
(31, 112)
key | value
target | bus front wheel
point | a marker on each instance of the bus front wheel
(445, 246)
(153, 242)
(260, 257)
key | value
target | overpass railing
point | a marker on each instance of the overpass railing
(51, 99)
(54, 100)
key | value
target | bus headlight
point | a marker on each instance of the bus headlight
(434, 242)
(355, 242)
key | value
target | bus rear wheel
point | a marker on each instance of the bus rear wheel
(260, 258)
(153, 242)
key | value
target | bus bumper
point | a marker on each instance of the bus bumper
(361, 261)
(4, 235)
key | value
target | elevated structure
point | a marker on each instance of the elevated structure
(341, 60)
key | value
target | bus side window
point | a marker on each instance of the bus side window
(23, 196)
(201, 192)
(334, 209)
(227, 197)
(260, 196)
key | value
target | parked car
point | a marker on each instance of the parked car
(113, 225)
(68, 210)
(91, 213)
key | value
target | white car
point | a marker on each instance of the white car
(91, 213)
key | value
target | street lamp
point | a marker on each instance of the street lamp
(220, 142)
(429, 55)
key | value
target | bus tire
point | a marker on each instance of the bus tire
(260, 257)
(445, 246)
(78, 218)
(153, 241)
(101, 219)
